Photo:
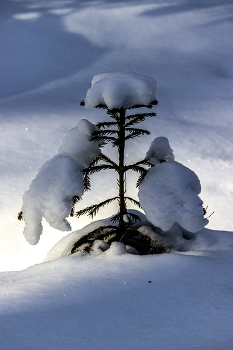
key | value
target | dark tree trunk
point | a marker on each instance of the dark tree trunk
(121, 150)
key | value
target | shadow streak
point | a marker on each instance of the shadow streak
(36, 49)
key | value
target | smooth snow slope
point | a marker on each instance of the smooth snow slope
(50, 50)
(107, 302)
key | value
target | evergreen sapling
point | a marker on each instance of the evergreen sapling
(168, 191)
(118, 132)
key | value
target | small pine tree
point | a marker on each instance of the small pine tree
(80, 156)
(117, 131)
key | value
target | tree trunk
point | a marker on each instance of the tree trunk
(121, 150)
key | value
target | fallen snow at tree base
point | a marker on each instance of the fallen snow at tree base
(169, 195)
(123, 89)
(176, 239)
(176, 301)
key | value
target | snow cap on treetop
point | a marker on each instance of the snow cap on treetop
(123, 89)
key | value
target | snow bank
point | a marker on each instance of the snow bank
(169, 195)
(60, 179)
(160, 150)
(121, 90)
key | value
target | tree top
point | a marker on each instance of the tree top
(124, 89)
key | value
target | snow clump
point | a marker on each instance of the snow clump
(169, 195)
(123, 89)
(159, 151)
(76, 143)
(59, 180)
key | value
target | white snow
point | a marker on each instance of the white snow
(123, 89)
(51, 193)
(176, 301)
(50, 196)
(169, 195)
(50, 50)
(160, 150)
(76, 143)
(63, 247)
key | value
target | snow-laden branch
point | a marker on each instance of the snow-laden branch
(169, 195)
(59, 182)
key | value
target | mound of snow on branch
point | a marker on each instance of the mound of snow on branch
(169, 195)
(51, 193)
(160, 151)
(123, 89)
(77, 145)
(50, 196)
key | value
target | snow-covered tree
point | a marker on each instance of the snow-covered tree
(168, 191)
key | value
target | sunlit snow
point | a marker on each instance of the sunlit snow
(50, 50)
(59, 180)
(169, 195)
(121, 90)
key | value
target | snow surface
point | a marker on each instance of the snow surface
(49, 53)
(123, 89)
(176, 301)
(50, 50)
(169, 195)
(160, 150)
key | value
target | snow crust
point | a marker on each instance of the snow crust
(51, 193)
(169, 195)
(123, 89)
(160, 150)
